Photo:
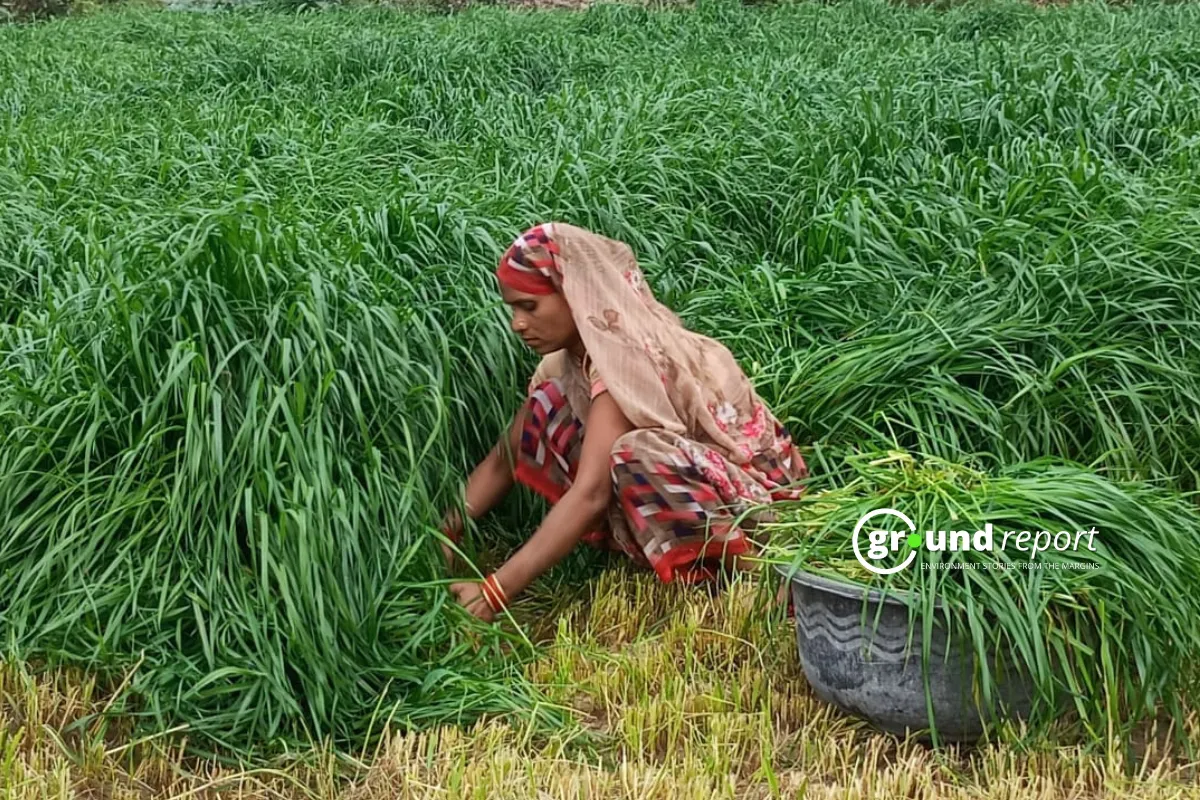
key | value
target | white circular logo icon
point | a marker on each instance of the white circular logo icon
(888, 542)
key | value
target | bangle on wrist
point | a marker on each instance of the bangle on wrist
(494, 593)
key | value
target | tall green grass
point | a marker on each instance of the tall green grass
(231, 473)
(249, 340)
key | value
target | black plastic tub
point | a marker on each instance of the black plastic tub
(870, 665)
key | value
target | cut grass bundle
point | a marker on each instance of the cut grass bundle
(1115, 644)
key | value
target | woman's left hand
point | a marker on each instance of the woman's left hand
(470, 596)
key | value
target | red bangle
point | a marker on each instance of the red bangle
(494, 593)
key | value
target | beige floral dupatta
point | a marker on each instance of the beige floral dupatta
(663, 376)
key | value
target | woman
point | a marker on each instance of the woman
(644, 436)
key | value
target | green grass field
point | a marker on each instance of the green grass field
(250, 344)
(678, 695)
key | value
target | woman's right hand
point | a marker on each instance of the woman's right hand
(488, 483)
(452, 527)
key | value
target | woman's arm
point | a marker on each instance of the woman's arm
(487, 485)
(579, 510)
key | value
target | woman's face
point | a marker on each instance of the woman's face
(543, 321)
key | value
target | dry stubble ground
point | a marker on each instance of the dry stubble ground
(682, 695)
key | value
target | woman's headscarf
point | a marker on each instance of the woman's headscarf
(659, 373)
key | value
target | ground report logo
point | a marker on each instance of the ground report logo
(884, 535)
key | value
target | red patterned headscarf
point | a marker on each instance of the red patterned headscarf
(530, 264)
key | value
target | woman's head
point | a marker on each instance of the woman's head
(531, 284)
(543, 321)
